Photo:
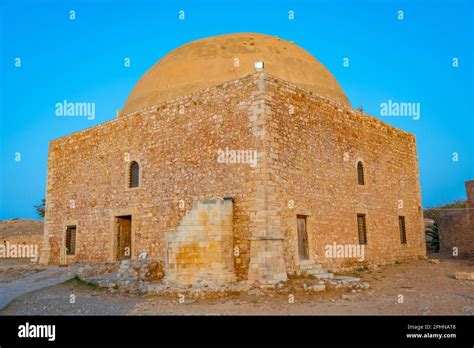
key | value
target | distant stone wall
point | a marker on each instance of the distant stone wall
(469, 194)
(17, 234)
(456, 228)
(17, 247)
(35, 239)
(200, 250)
(456, 231)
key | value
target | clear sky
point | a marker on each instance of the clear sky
(82, 60)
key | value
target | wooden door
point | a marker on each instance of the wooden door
(124, 237)
(303, 249)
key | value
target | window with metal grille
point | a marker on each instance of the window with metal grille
(71, 240)
(134, 174)
(360, 173)
(403, 231)
(362, 228)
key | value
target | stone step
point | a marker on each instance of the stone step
(308, 266)
(348, 279)
(306, 262)
(311, 268)
(325, 275)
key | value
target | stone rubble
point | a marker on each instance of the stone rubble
(464, 275)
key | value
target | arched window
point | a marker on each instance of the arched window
(134, 174)
(360, 173)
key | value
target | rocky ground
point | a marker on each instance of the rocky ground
(417, 288)
(20, 227)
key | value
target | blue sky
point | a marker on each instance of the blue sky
(407, 60)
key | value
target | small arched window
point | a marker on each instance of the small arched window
(134, 175)
(360, 173)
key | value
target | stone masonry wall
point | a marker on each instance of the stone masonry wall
(176, 145)
(307, 148)
(315, 145)
(267, 260)
(200, 250)
(457, 227)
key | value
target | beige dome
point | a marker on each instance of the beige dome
(209, 62)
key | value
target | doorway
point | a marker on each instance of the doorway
(123, 242)
(303, 250)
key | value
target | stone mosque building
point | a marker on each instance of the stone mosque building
(235, 157)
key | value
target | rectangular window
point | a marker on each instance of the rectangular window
(360, 173)
(362, 228)
(134, 174)
(71, 240)
(403, 232)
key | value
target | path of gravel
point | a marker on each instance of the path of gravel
(33, 282)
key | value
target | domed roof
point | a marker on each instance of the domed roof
(211, 61)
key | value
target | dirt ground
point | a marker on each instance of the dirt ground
(13, 269)
(414, 288)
